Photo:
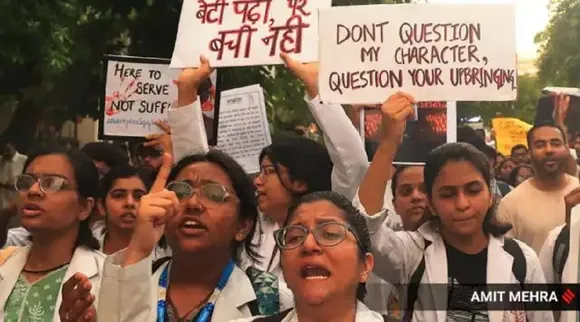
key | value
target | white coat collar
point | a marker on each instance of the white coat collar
(84, 260)
(436, 266)
(237, 293)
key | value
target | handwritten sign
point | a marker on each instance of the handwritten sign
(430, 130)
(246, 32)
(436, 52)
(139, 91)
(243, 128)
(509, 132)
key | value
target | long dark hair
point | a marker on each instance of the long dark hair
(464, 152)
(352, 215)
(306, 160)
(245, 192)
(87, 179)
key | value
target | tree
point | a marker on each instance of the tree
(50, 60)
(524, 108)
(559, 61)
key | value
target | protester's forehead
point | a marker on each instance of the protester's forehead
(457, 173)
(52, 164)
(131, 183)
(317, 212)
(546, 133)
(204, 171)
(413, 174)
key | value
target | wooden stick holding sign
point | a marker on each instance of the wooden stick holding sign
(436, 52)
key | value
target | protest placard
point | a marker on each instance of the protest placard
(435, 125)
(246, 32)
(436, 52)
(509, 132)
(139, 91)
(243, 128)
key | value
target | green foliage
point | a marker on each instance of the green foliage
(524, 108)
(50, 59)
(559, 62)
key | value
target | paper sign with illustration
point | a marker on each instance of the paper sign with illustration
(435, 126)
(436, 52)
(139, 92)
(243, 128)
(246, 32)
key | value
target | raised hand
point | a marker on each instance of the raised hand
(189, 81)
(162, 140)
(396, 110)
(561, 106)
(77, 300)
(306, 73)
(154, 210)
(572, 199)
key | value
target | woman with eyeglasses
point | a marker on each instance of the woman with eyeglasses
(205, 207)
(462, 249)
(326, 260)
(289, 168)
(56, 194)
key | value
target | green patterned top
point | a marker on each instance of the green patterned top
(34, 302)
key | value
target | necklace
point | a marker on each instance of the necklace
(46, 270)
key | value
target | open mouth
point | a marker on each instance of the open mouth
(128, 217)
(32, 209)
(312, 272)
(191, 227)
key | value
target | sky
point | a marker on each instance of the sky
(532, 16)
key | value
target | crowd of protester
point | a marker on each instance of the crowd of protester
(175, 230)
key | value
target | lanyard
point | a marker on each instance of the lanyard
(207, 310)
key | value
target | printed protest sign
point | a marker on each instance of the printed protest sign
(243, 128)
(436, 52)
(139, 91)
(509, 132)
(435, 126)
(246, 32)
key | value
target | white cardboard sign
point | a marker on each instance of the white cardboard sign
(436, 52)
(246, 32)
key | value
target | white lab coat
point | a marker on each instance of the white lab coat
(363, 314)
(568, 275)
(130, 294)
(397, 255)
(342, 141)
(86, 261)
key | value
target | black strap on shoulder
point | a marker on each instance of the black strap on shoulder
(254, 308)
(413, 290)
(274, 318)
(519, 265)
(388, 318)
(561, 250)
(159, 262)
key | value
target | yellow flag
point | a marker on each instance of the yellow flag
(509, 132)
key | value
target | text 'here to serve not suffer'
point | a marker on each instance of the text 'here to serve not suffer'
(434, 52)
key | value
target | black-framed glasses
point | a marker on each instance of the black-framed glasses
(214, 192)
(326, 234)
(48, 184)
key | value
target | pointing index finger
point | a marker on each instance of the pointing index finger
(163, 174)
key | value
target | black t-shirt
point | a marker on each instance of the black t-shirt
(465, 270)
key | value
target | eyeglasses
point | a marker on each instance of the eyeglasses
(326, 234)
(48, 184)
(214, 192)
(265, 171)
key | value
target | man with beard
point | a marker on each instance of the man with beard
(537, 206)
